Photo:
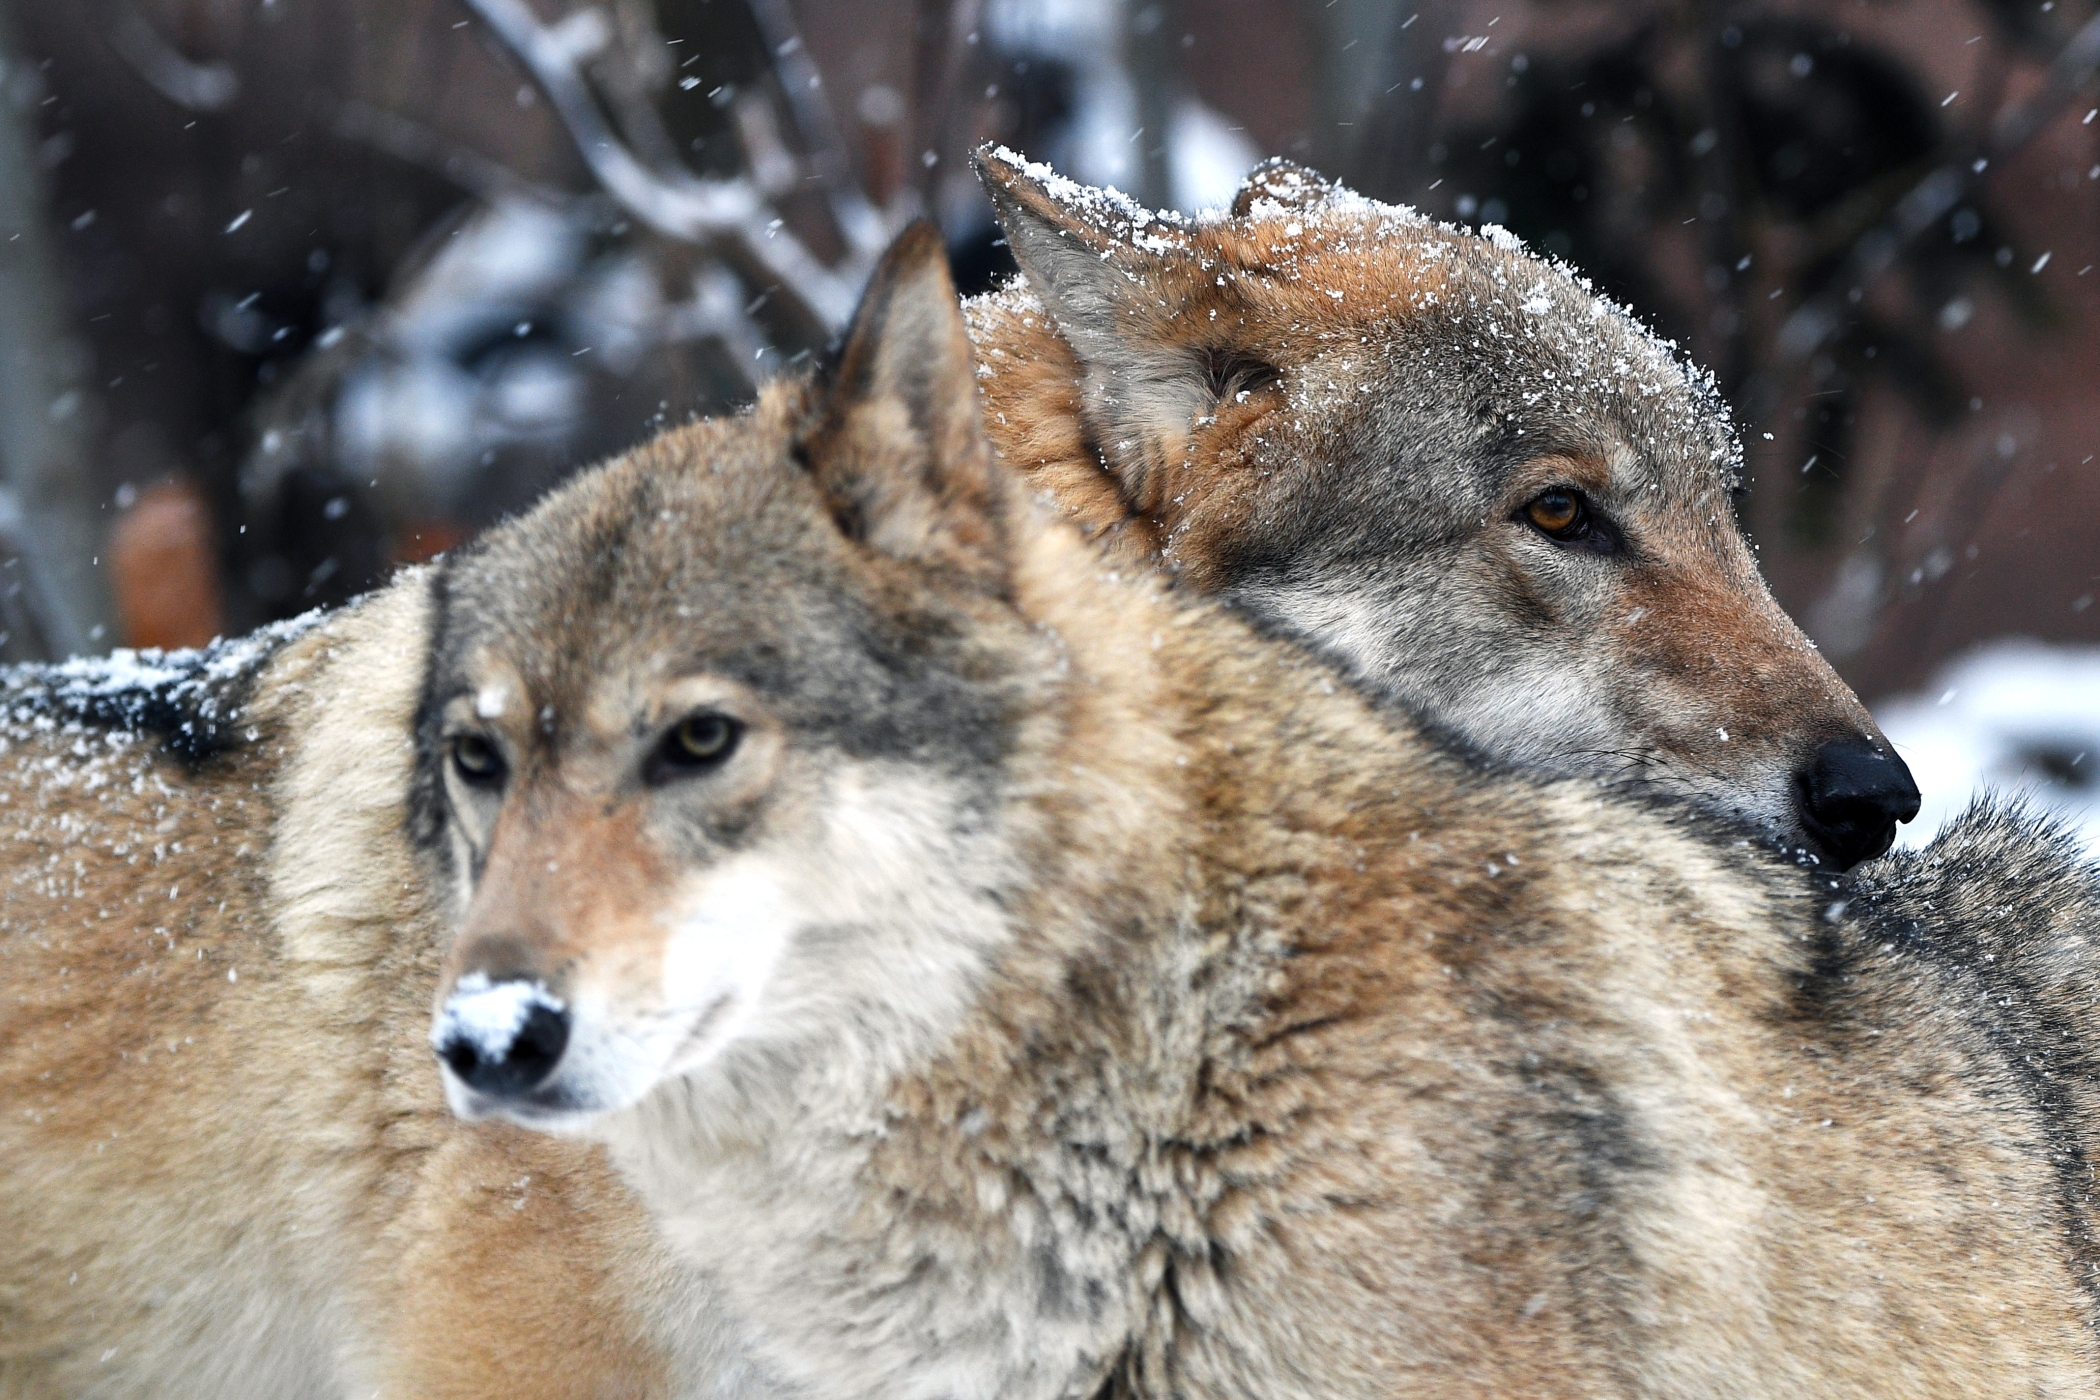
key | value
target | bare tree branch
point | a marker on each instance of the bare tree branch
(865, 230)
(1875, 252)
(415, 144)
(730, 214)
(199, 87)
(942, 58)
(716, 309)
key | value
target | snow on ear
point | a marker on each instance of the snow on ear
(1281, 183)
(1088, 251)
(1115, 277)
(898, 445)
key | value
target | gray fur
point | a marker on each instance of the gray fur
(1179, 1027)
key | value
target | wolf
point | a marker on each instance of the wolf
(871, 948)
(1480, 488)
(999, 975)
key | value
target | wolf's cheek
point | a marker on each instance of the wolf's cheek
(727, 933)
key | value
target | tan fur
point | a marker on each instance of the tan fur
(135, 897)
(1168, 1022)
(1188, 503)
(1709, 631)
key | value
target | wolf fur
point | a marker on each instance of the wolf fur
(1333, 413)
(1055, 990)
(1072, 995)
(228, 1163)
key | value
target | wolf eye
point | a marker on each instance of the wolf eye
(476, 760)
(1557, 512)
(1562, 515)
(698, 741)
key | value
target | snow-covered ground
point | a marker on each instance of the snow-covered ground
(2012, 715)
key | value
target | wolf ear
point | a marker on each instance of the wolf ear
(898, 444)
(1282, 182)
(1102, 266)
(1086, 250)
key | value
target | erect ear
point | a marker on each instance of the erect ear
(1284, 184)
(897, 443)
(1122, 285)
(1091, 253)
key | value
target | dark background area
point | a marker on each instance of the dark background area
(295, 291)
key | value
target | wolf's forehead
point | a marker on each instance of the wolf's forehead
(651, 571)
(1560, 356)
(1398, 278)
(650, 627)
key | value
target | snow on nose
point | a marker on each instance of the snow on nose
(500, 1037)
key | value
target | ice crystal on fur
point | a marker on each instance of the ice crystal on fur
(1167, 234)
(192, 698)
(1106, 203)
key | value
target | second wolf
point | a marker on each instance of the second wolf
(1478, 487)
(993, 975)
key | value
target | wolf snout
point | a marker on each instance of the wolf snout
(1852, 797)
(503, 1038)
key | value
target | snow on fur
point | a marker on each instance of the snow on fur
(192, 698)
(1535, 282)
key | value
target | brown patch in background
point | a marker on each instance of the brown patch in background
(164, 568)
(1248, 59)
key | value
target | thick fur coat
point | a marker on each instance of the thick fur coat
(1049, 988)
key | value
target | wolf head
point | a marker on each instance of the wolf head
(713, 739)
(1479, 487)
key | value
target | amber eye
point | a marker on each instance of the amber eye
(476, 759)
(699, 741)
(1557, 512)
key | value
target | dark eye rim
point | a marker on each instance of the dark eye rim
(488, 776)
(674, 757)
(1591, 530)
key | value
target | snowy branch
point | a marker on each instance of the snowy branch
(415, 144)
(864, 228)
(198, 87)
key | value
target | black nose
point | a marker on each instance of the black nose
(1852, 796)
(485, 1059)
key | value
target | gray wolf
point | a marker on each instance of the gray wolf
(887, 953)
(1475, 485)
(1004, 976)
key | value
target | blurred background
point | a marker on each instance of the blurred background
(293, 292)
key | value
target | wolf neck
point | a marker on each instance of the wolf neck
(992, 1180)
